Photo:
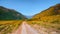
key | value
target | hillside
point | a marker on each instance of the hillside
(52, 11)
(49, 19)
(10, 14)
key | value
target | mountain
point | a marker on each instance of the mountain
(49, 18)
(10, 14)
(29, 17)
(52, 12)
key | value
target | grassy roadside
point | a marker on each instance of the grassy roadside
(8, 26)
(54, 26)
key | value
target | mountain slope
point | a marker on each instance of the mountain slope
(48, 19)
(52, 11)
(10, 14)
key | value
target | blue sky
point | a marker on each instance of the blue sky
(28, 7)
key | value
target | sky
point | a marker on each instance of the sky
(28, 7)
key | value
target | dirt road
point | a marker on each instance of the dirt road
(25, 29)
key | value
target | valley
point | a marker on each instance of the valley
(45, 22)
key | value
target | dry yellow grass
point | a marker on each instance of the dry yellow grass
(8, 26)
(10, 21)
(55, 26)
